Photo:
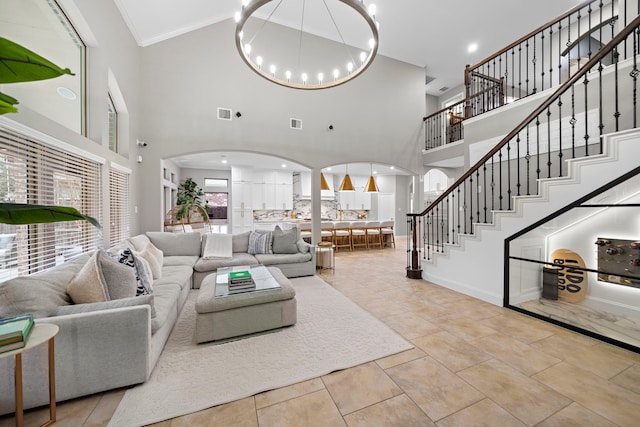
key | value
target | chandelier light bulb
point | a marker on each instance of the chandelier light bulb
(372, 9)
(363, 56)
(247, 49)
(287, 74)
(272, 69)
(304, 78)
(259, 61)
(350, 67)
(336, 74)
(372, 43)
(320, 77)
(240, 35)
(245, 3)
(237, 16)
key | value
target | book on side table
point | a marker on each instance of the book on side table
(14, 332)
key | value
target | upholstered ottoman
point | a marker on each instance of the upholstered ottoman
(220, 317)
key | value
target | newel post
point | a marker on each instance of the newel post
(413, 269)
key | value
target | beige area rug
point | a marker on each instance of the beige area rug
(332, 333)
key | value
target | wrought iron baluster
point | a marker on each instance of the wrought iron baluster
(616, 114)
(464, 205)
(484, 177)
(519, 72)
(471, 203)
(573, 122)
(586, 117)
(445, 217)
(478, 189)
(528, 159)
(551, 55)
(634, 75)
(493, 185)
(560, 154)
(548, 142)
(509, 175)
(459, 209)
(518, 184)
(534, 60)
(500, 179)
(542, 57)
(537, 147)
(527, 71)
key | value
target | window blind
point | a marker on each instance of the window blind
(34, 172)
(119, 206)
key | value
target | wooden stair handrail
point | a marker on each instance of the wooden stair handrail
(531, 34)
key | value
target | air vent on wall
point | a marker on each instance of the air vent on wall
(444, 88)
(224, 113)
(295, 123)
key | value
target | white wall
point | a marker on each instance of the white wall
(376, 117)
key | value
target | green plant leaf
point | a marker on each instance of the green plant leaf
(19, 214)
(7, 104)
(19, 64)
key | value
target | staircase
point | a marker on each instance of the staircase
(474, 265)
(578, 137)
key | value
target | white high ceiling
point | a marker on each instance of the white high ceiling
(426, 33)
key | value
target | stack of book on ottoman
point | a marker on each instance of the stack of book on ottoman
(14, 332)
(241, 281)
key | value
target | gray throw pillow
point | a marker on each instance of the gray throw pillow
(260, 243)
(284, 241)
(144, 277)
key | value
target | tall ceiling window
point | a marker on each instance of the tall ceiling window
(113, 125)
(43, 27)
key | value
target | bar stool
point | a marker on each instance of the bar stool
(342, 235)
(358, 234)
(326, 231)
(373, 234)
(388, 237)
(305, 231)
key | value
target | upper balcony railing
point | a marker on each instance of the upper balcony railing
(546, 57)
(542, 59)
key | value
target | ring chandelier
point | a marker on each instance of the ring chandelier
(333, 75)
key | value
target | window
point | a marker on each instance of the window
(35, 172)
(217, 203)
(113, 125)
(215, 182)
(120, 226)
(43, 27)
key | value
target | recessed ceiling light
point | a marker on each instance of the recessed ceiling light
(472, 47)
(284, 165)
(392, 167)
(66, 93)
(329, 169)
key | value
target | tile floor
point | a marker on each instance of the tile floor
(474, 364)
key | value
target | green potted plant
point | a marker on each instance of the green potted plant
(189, 198)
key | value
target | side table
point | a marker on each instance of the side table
(41, 333)
(325, 256)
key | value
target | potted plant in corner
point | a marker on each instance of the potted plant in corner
(17, 65)
(189, 200)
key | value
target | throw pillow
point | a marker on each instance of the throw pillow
(144, 277)
(284, 241)
(150, 253)
(260, 243)
(102, 279)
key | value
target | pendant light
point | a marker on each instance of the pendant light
(323, 183)
(371, 186)
(347, 185)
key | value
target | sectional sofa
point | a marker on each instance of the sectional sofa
(115, 343)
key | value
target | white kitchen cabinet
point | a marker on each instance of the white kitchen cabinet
(355, 200)
(241, 200)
